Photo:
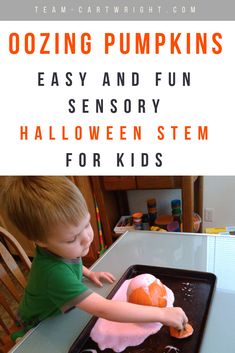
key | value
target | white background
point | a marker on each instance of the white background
(208, 101)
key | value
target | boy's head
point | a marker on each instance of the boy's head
(45, 209)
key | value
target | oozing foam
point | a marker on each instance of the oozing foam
(152, 288)
(117, 335)
(143, 281)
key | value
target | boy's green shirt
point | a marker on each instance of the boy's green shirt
(54, 286)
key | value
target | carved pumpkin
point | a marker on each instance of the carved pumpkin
(147, 290)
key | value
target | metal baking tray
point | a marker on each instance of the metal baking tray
(193, 293)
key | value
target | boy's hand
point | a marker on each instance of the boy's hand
(174, 317)
(96, 277)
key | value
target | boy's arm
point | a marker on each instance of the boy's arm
(127, 312)
(96, 277)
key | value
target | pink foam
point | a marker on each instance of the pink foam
(143, 281)
(117, 335)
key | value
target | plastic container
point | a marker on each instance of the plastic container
(163, 221)
(196, 222)
(176, 211)
(152, 210)
(137, 220)
(124, 224)
(145, 222)
(173, 227)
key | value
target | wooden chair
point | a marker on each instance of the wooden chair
(11, 276)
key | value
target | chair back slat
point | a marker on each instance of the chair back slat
(6, 342)
(4, 327)
(16, 245)
(11, 264)
(7, 307)
(12, 279)
(8, 283)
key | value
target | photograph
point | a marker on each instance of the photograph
(117, 216)
(126, 264)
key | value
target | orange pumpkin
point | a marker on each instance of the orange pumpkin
(186, 332)
(147, 290)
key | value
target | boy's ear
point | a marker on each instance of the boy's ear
(40, 243)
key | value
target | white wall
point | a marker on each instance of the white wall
(138, 199)
(219, 195)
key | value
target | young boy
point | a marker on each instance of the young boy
(52, 212)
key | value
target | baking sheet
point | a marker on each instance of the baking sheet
(193, 293)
